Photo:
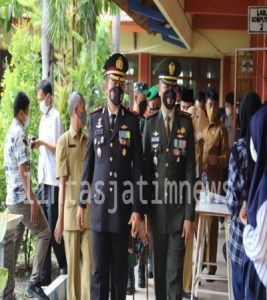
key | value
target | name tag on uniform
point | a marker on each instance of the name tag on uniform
(155, 139)
(99, 131)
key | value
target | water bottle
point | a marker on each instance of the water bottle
(204, 179)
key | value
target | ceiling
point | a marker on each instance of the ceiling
(176, 19)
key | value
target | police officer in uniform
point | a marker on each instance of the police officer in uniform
(169, 154)
(112, 168)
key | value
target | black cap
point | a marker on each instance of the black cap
(187, 95)
(201, 97)
(168, 70)
(116, 66)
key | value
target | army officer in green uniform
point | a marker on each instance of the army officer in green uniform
(169, 154)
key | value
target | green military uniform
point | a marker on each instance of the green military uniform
(169, 162)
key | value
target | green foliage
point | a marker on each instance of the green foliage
(10, 9)
(87, 76)
(22, 74)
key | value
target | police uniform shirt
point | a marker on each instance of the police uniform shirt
(70, 153)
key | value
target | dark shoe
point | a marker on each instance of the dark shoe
(187, 295)
(141, 277)
(210, 280)
(150, 274)
(45, 282)
(130, 283)
(35, 291)
(63, 271)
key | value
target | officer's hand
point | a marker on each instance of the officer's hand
(35, 212)
(59, 231)
(80, 218)
(134, 221)
(243, 213)
(187, 231)
(213, 160)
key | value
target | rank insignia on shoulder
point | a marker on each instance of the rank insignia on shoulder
(99, 108)
(154, 113)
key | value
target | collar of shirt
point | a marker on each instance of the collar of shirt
(73, 133)
(111, 113)
(50, 111)
(18, 123)
(171, 115)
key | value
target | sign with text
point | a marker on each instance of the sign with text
(257, 19)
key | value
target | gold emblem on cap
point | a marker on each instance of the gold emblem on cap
(119, 63)
(171, 68)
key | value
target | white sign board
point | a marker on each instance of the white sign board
(257, 19)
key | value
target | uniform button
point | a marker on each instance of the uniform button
(167, 149)
(110, 189)
(110, 173)
(111, 145)
(111, 158)
(167, 164)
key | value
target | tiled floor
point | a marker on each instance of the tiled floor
(140, 294)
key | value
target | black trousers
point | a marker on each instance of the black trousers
(110, 258)
(169, 251)
(48, 195)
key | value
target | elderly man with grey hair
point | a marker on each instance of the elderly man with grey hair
(70, 152)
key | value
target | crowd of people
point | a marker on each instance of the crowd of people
(124, 194)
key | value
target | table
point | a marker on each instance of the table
(204, 210)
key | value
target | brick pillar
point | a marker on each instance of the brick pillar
(144, 68)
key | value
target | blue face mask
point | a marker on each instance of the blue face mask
(83, 117)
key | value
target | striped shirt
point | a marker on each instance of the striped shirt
(255, 243)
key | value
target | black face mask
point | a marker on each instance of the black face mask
(154, 108)
(142, 107)
(169, 95)
(117, 95)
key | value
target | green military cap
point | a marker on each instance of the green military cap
(141, 87)
(168, 70)
(153, 92)
(116, 67)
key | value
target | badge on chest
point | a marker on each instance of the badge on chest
(124, 138)
(99, 137)
(155, 142)
(179, 144)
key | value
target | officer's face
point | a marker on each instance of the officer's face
(185, 105)
(139, 97)
(111, 83)
(162, 88)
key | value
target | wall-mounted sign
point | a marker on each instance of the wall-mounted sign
(247, 65)
(257, 19)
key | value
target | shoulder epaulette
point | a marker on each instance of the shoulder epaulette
(96, 109)
(154, 113)
(130, 111)
(184, 114)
